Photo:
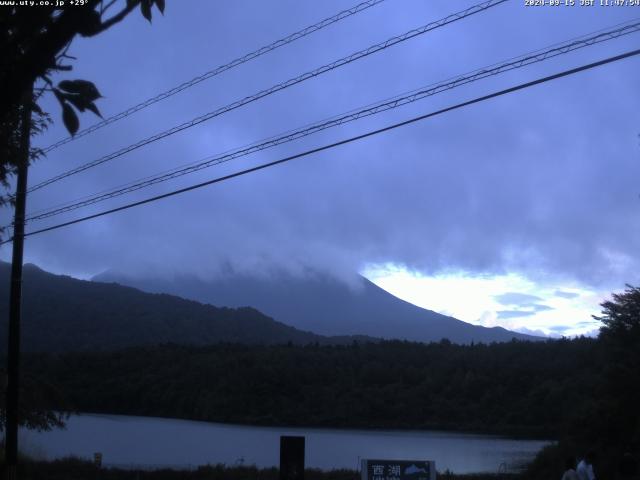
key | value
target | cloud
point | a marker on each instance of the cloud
(541, 308)
(592, 333)
(525, 310)
(587, 323)
(506, 314)
(513, 298)
(567, 295)
(561, 328)
(525, 305)
(516, 184)
(536, 332)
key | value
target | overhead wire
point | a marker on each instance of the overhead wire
(372, 109)
(217, 71)
(306, 153)
(474, 9)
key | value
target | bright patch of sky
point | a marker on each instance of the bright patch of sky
(512, 300)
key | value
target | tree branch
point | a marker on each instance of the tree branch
(116, 18)
(106, 7)
(43, 51)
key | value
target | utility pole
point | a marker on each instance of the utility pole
(15, 293)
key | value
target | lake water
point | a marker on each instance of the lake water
(159, 442)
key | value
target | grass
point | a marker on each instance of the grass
(77, 469)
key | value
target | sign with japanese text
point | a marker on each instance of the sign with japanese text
(398, 470)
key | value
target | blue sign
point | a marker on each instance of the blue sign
(398, 470)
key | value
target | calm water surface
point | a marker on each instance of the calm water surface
(157, 442)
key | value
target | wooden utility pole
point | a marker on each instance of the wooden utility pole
(15, 293)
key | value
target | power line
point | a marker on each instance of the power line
(481, 7)
(341, 142)
(389, 104)
(218, 70)
(619, 30)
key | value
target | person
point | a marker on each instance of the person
(628, 467)
(585, 467)
(569, 470)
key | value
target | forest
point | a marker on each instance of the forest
(519, 388)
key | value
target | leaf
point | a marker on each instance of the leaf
(59, 96)
(70, 119)
(84, 88)
(68, 86)
(36, 108)
(160, 4)
(92, 107)
(76, 100)
(91, 24)
(145, 8)
(81, 103)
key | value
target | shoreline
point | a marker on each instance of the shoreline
(515, 434)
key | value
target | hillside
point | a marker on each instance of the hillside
(61, 313)
(323, 305)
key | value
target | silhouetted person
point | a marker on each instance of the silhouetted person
(569, 470)
(585, 467)
(628, 467)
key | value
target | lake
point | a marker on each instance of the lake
(148, 442)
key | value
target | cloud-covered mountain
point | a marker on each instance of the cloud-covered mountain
(61, 314)
(321, 304)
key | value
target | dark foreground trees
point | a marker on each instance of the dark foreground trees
(609, 423)
(34, 41)
(620, 339)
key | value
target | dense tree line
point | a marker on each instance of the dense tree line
(535, 388)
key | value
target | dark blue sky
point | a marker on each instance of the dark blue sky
(542, 183)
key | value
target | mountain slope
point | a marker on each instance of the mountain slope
(61, 313)
(323, 305)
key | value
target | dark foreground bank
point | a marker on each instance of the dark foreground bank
(75, 469)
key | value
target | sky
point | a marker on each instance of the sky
(521, 211)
